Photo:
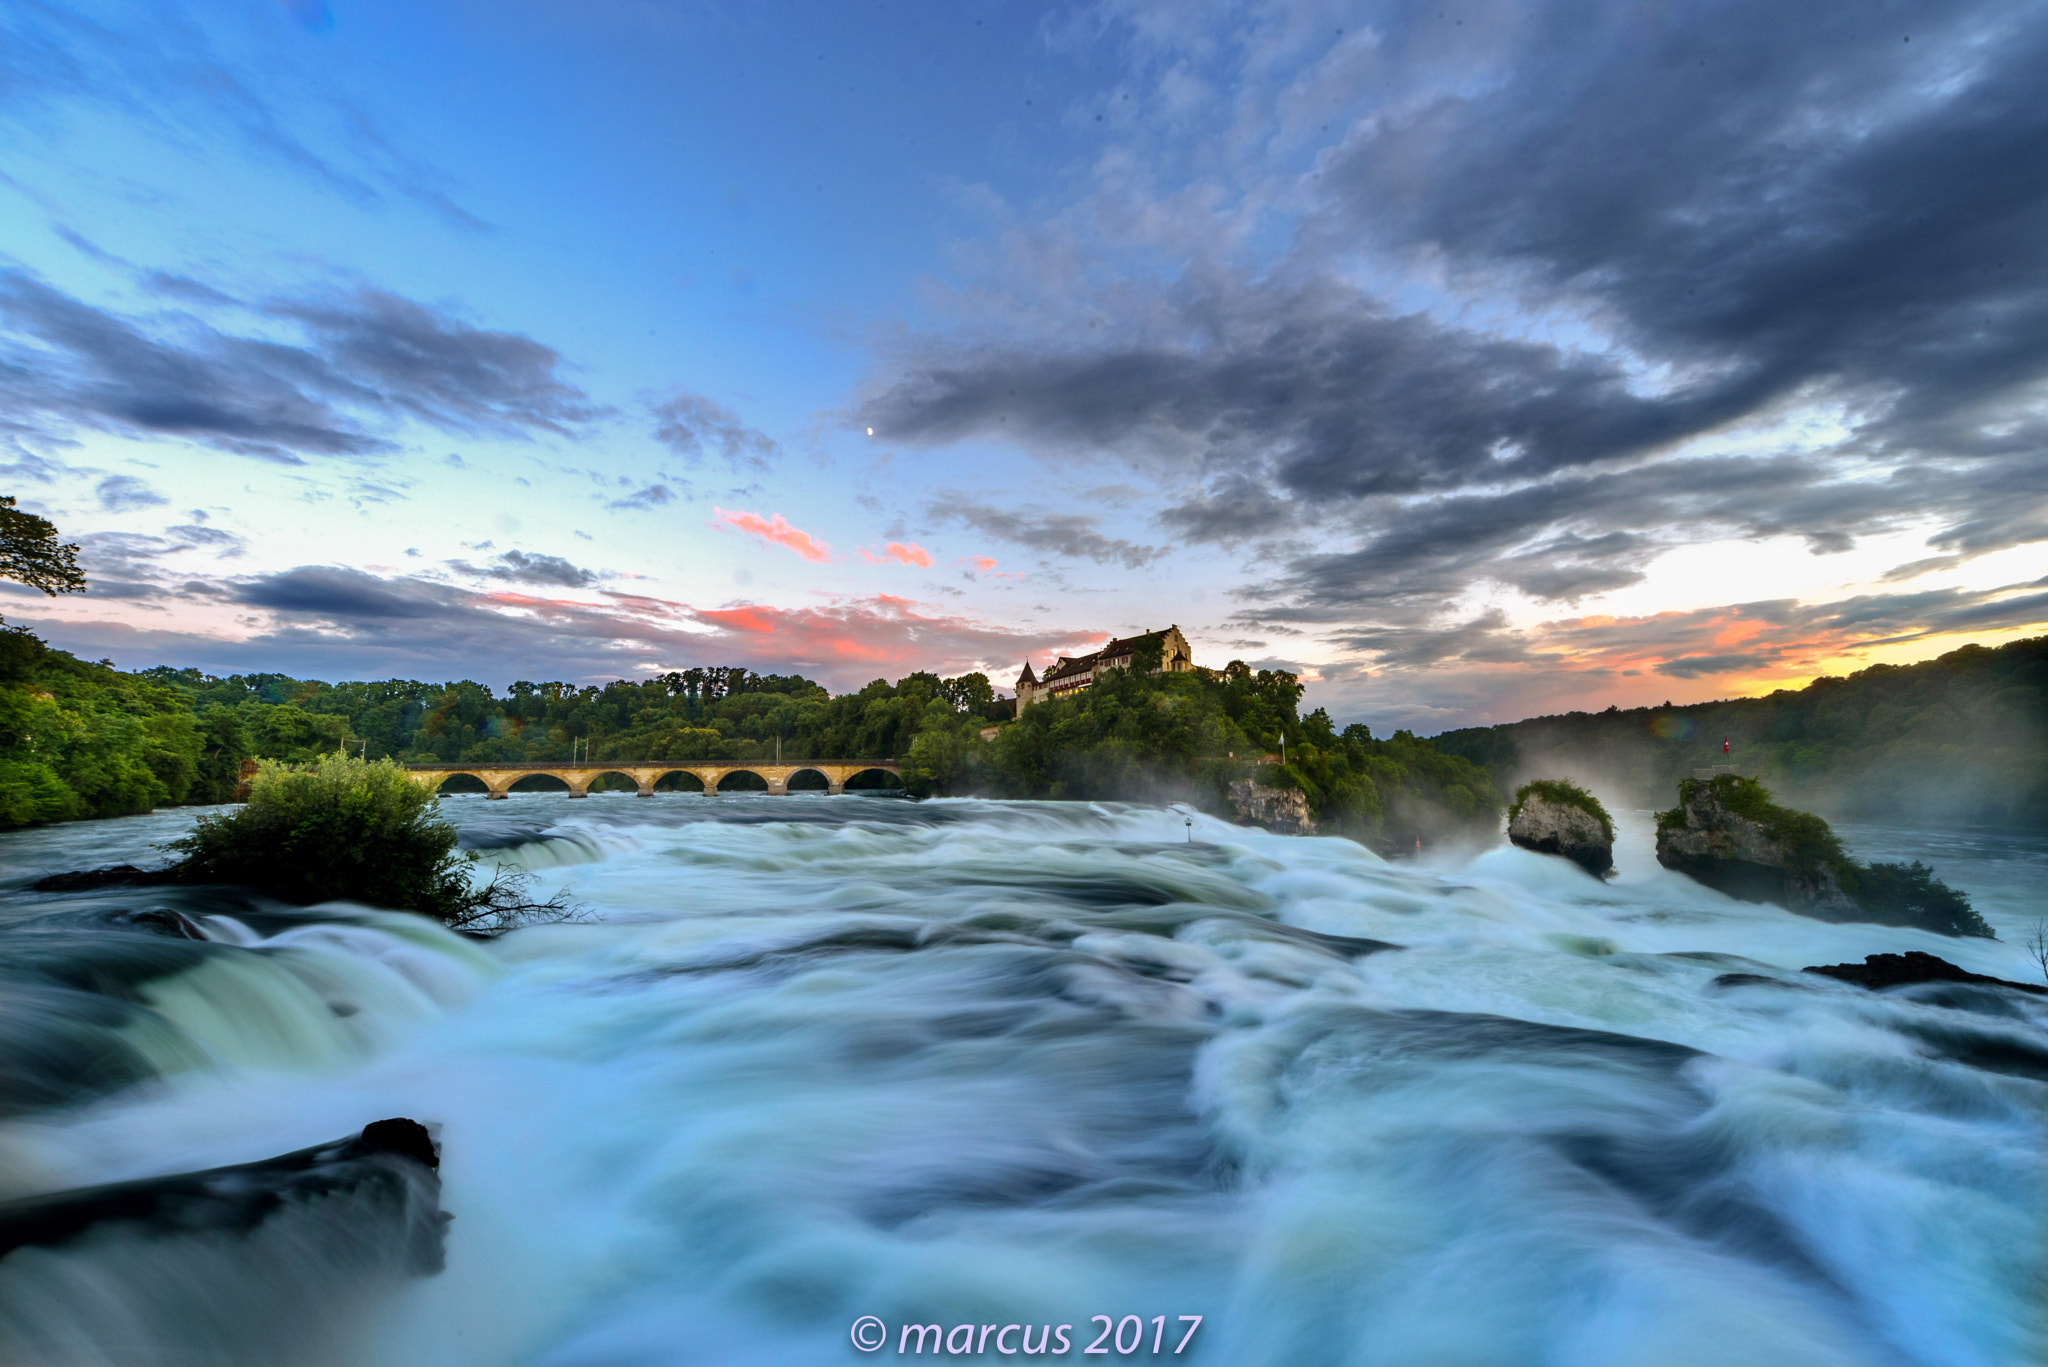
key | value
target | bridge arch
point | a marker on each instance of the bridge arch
(459, 783)
(873, 779)
(808, 780)
(539, 781)
(742, 781)
(678, 781)
(613, 781)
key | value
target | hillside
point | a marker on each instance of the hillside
(87, 740)
(1961, 739)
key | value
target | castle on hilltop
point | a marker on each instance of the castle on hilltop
(1070, 675)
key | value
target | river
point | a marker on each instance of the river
(966, 1063)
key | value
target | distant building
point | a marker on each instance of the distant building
(1068, 675)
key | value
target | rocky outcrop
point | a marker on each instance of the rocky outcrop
(383, 1186)
(1556, 824)
(1283, 811)
(1897, 970)
(116, 876)
(1728, 834)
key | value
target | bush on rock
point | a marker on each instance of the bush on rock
(342, 829)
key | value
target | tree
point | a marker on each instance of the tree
(30, 553)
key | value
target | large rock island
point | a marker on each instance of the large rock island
(1551, 816)
(1726, 832)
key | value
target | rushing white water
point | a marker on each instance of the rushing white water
(965, 1063)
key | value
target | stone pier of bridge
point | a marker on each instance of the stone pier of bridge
(498, 778)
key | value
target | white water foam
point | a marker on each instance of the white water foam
(968, 1062)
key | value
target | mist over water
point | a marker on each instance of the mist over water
(965, 1062)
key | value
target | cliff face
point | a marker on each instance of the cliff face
(1283, 811)
(1555, 828)
(1750, 858)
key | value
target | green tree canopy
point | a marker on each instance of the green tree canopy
(31, 554)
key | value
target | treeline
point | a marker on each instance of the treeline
(80, 740)
(1187, 737)
(1958, 739)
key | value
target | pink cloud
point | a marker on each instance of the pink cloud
(912, 554)
(986, 566)
(778, 532)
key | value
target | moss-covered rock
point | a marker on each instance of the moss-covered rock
(1552, 816)
(1726, 832)
(1284, 811)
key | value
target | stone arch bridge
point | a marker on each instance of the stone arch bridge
(498, 778)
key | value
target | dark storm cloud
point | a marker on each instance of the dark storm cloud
(693, 426)
(1788, 194)
(542, 569)
(1698, 666)
(1067, 535)
(124, 493)
(334, 594)
(367, 359)
(437, 368)
(653, 496)
(331, 622)
(1321, 392)
(1677, 221)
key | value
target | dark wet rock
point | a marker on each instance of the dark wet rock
(114, 876)
(384, 1182)
(1726, 833)
(1879, 971)
(1283, 811)
(1752, 980)
(160, 921)
(1549, 822)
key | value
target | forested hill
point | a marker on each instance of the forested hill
(85, 740)
(1962, 739)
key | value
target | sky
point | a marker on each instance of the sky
(1474, 361)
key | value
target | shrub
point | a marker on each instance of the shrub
(1910, 895)
(342, 828)
(1560, 793)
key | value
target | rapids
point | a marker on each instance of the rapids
(965, 1063)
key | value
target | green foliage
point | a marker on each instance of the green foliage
(31, 554)
(1961, 738)
(1891, 894)
(341, 828)
(1809, 842)
(86, 740)
(132, 741)
(1910, 895)
(1187, 736)
(224, 751)
(1560, 793)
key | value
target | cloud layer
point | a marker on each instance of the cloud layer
(338, 623)
(1501, 305)
(362, 361)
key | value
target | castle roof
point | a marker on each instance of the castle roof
(1065, 668)
(1027, 677)
(1117, 648)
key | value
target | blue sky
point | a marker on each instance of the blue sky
(1474, 361)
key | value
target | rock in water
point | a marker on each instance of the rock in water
(390, 1171)
(288, 1259)
(1727, 833)
(1283, 811)
(1898, 970)
(1560, 818)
